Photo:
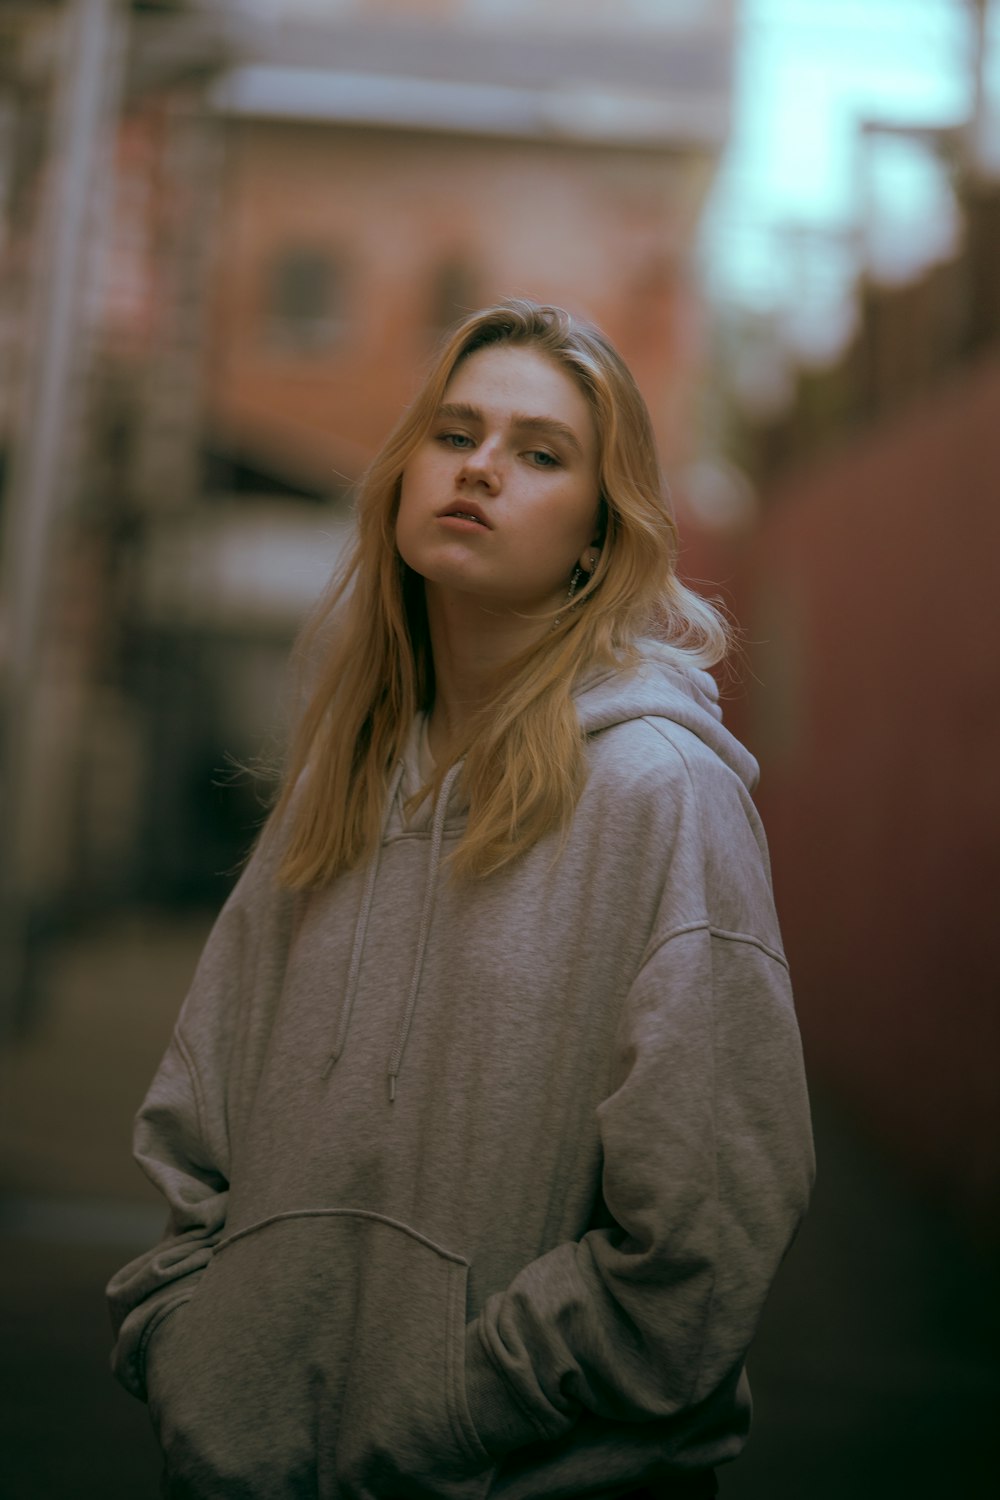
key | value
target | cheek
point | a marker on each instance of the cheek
(417, 490)
(555, 545)
(419, 481)
(577, 523)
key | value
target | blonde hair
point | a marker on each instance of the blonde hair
(523, 753)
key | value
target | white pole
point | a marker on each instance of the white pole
(39, 485)
(979, 123)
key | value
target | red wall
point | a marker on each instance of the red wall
(870, 594)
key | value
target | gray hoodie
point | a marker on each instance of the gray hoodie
(477, 1188)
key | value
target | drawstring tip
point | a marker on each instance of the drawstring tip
(392, 1088)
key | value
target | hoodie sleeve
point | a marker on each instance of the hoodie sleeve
(182, 1137)
(707, 1166)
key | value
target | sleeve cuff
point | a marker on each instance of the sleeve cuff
(499, 1423)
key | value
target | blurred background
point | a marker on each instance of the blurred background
(230, 234)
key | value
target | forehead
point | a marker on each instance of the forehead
(508, 379)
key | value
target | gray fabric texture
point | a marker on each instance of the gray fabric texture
(477, 1188)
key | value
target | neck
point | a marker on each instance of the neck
(470, 642)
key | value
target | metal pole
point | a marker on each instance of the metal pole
(979, 123)
(39, 485)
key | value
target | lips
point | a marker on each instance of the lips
(467, 511)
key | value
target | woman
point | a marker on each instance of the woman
(483, 1128)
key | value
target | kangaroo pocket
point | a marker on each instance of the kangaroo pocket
(321, 1354)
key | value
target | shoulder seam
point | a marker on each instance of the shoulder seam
(703, 925)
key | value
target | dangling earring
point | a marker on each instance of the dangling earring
(574, 584)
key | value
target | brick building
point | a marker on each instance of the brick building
(383, 176)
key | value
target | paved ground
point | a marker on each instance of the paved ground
(875, 1370)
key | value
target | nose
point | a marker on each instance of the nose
(480, 467)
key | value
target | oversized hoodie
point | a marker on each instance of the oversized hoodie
(477, 1187)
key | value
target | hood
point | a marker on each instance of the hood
(660, 688)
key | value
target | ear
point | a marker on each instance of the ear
(589, 557)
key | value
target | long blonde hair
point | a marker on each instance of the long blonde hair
(523, 753)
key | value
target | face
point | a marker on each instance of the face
(500, 500)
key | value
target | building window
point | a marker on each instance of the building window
(305, 307)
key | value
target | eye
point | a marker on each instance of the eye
(459, 440)
(543, 459)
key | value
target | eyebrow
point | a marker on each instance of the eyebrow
(461, 411)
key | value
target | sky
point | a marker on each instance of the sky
(800, 203)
